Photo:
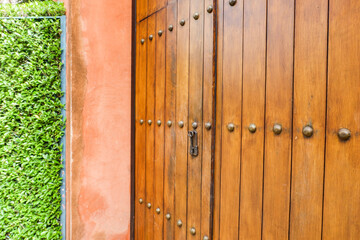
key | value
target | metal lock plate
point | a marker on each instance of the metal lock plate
(194, 151)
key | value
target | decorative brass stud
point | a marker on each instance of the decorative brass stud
(207, 126)
(169, 123)
(252, 128)
(192, 231)
(277, 129)
(148, 205)
(179, 223)
(210, 9)
(232, 2)
(344, 134)
(182, 22)
(158, 122)
(149, 122)
(168, 216)
(196, 16)
(160, 33)
(158, 211)
(308, 131)
(206, 238)
(141, 201)
(181, 124)
(171, 28)
(151, 37)
(194, 125)
(142, 41)
(141, 121)
(231, 127)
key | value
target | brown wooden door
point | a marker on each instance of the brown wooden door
(277, 119)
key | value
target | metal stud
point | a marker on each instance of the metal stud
(344, 134)
(171, 28)
(308, 131)
(196, 16)
(208, 126)
(231, 127)
(168, 216)
(194, 125)
(141, 121)
(182, 22)
(277, 129)
(181, 124)
(160, 33)
(142, 41)
(158, 210)
(179, 223)
(232, 2)
(148, 205)
(210, 9)
(141, 201)
(158, 122)
(252, 128)
(206, 238)
(169, 123)
(149, 122)
(151, 37)
(192, 231)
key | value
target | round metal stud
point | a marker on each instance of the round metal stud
(192, 231)
(169, 123)
(151, 37)
(149, 122)
(158, 122)
(210, 9)
(168, 216)
(207, 126)
(148, 205)
(179, 223)
(252, 128)
(142, 41)
(141, 121)
(196, 16)
(344, 134)
(308, 131)
(231, 127)
(171, 28)
(277, 129)
(194, 125)
(232, 2)
(205, 238)
(141, 201)
(182, 22)
(158, 211)
(160, 33)
(181, 124)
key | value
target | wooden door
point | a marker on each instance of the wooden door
(174, 133)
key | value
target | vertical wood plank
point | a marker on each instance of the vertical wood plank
(170, 137)
(152, 6)
(310, 63)
(159, 129)
(341, 219)
(141, 9)
(253, 113)
(150, 141)
(140, 142)
(232, 109)
(182, 106)
(208, 117)
(279, 85)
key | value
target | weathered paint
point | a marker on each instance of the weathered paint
(98, 119)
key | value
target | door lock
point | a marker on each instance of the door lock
(194, 151)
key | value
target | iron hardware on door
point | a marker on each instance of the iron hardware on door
(194, 151)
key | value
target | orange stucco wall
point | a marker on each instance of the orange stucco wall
(99, 119)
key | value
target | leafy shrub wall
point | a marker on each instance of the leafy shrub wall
(31, 127)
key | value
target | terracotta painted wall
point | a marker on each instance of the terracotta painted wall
(99, 119)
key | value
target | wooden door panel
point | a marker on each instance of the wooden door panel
(342, 166)
(310, 63)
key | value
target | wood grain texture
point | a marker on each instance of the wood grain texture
(341, 218)
(253, 113)
(310, 63)
(140, 142)
(279, 85)
(141, 9)
(170, 136)
(150, 129)
(159, 130)
(231, 113)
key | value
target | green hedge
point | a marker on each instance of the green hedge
(45, 8)
(31, 127)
